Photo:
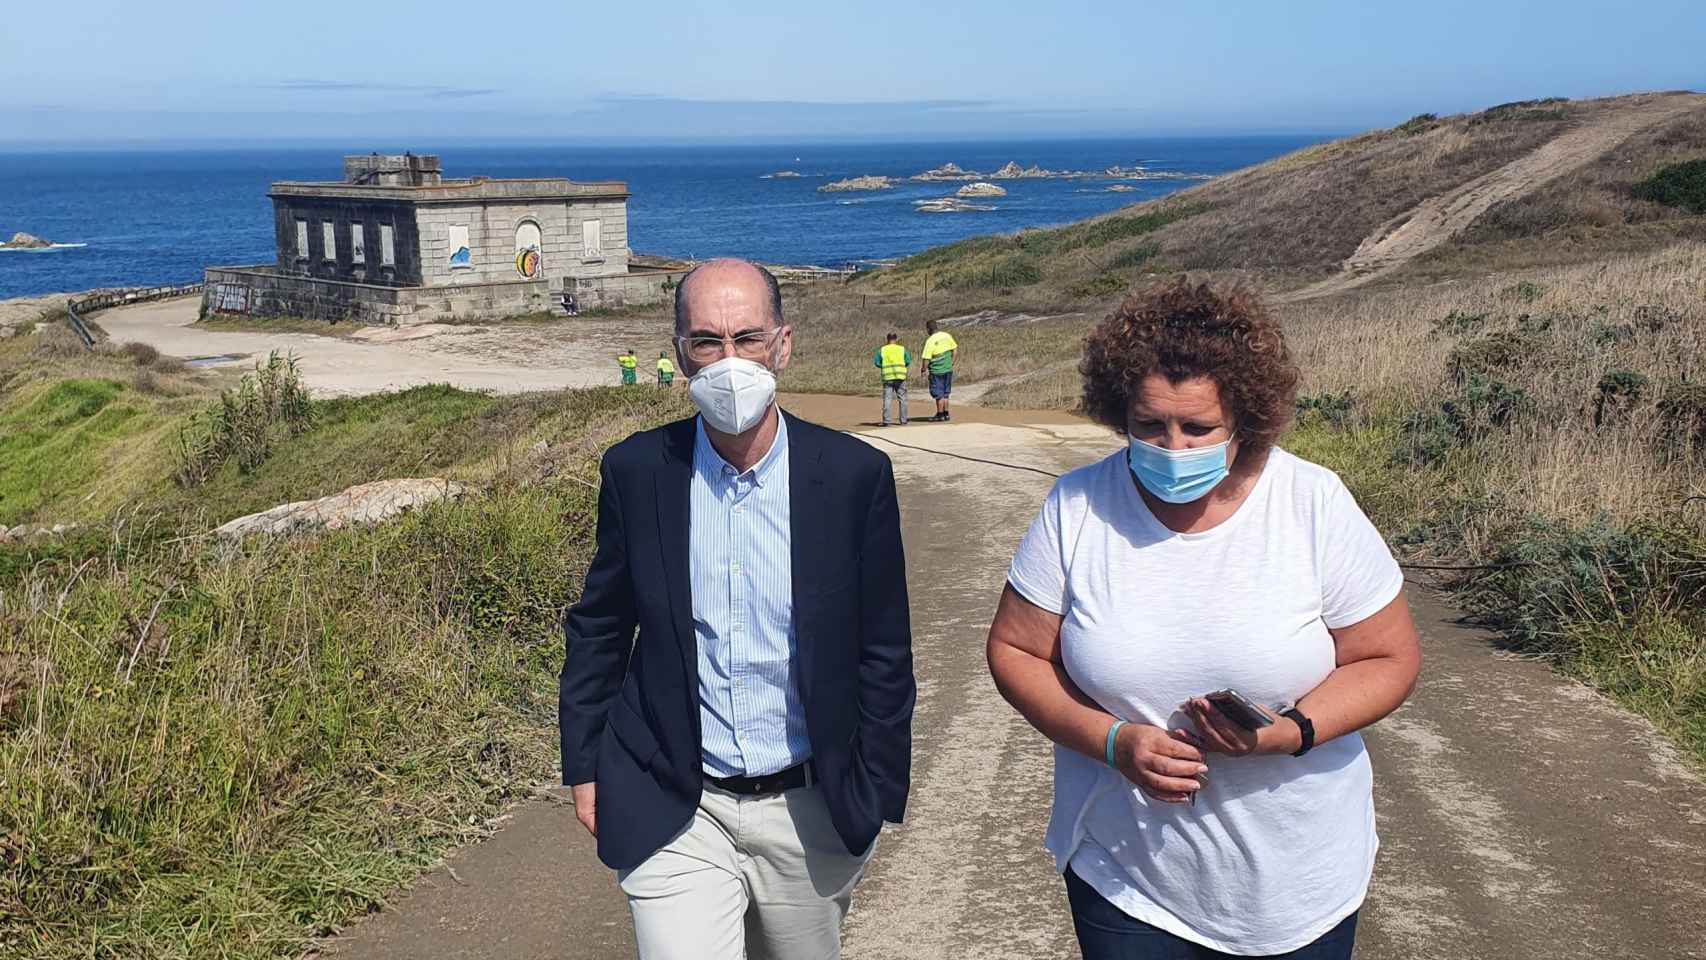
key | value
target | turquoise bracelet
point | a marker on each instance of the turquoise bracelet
(1108, 748)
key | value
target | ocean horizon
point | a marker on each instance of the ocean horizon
(153, 216)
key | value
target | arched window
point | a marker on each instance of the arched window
(529, 250)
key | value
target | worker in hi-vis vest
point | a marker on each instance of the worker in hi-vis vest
(893, 360)
(666, 370)
(629, 363)
(938, 362)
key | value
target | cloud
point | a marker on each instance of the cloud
(431, 91)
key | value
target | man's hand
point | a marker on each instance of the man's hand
(586, 805)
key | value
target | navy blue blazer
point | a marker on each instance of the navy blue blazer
(628, 708)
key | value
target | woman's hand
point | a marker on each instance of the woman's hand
(1162, 764)
(1216, 733)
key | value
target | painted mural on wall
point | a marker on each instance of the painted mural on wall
(527, 250)
(460, 256)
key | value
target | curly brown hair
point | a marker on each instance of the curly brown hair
(1183, 330)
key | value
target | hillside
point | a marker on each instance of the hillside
(1550, 181)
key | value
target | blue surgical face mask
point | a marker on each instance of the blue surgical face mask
(1178, 476)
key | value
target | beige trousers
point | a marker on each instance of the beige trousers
(758, 877)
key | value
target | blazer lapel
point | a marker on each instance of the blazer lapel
(674, 480)
(805, 495)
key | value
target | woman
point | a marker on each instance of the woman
(1200, 558)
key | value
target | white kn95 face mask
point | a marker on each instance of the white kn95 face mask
(733, 394)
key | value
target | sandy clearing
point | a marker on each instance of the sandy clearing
(503, 359)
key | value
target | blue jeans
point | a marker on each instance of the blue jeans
(1107, 933)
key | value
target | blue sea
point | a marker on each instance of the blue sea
(157, 216)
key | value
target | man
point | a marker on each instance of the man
(737, 760)
(666, 370)
(628, 363)
(893, 359)
(938, 362)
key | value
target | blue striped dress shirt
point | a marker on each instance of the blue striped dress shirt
(750, 713)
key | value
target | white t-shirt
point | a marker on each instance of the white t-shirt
(1277, 849)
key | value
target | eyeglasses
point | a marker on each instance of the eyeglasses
(748, 346)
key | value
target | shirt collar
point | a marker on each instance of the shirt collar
(707, 459)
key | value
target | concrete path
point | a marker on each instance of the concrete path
(1521, 815)
(1438, 219)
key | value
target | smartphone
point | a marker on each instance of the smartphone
(1238, 708)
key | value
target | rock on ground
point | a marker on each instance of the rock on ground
(363, 503)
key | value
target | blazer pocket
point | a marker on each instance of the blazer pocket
(633, 733)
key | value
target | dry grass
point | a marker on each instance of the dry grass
(1639, 314)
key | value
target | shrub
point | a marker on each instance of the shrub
(1479, 408)
(1677, 185)
(1682, 417)
(1617, 391)
(1335, 409)
(141, 354)
(1527, 291)
(246, 422)
(1420, 123)
(1101, 285)
(1521, 111)
(1490, 354)
(1607, 334)
(1457, 323)
(1555, 574)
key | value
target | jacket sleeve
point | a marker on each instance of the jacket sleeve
(886, 688)
(598, 636)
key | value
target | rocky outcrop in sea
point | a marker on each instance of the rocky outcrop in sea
(981, 189)
(25, 241)
(857, 183)
(949, 205)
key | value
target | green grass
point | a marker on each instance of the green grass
(51, 434)
(218, 751)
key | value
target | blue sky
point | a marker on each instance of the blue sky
(120, 70)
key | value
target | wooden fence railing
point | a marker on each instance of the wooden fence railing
(75, 309)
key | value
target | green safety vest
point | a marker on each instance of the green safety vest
(628, 362)
(892, 358)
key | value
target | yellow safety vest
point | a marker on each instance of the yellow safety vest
(664, 366)
(894, 361)
(628, 362)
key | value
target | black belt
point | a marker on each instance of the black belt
(781, 781)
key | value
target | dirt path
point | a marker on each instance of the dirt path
(1521, 816)
(504, 359)
(1437, 219)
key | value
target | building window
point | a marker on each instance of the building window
(329, 236)
(592, 239)
(301, 239)
(357, 244)
(529, 251)
(461, 257)
(387, 245)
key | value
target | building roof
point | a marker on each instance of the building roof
(475, 189)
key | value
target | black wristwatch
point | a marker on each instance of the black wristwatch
(1303, 725)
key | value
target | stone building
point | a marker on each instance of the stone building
(396, 242)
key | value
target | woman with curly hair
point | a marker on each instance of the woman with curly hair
(1200, 559)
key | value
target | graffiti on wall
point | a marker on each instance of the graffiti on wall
(527, 249)
(460, 256)
(231, 298)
